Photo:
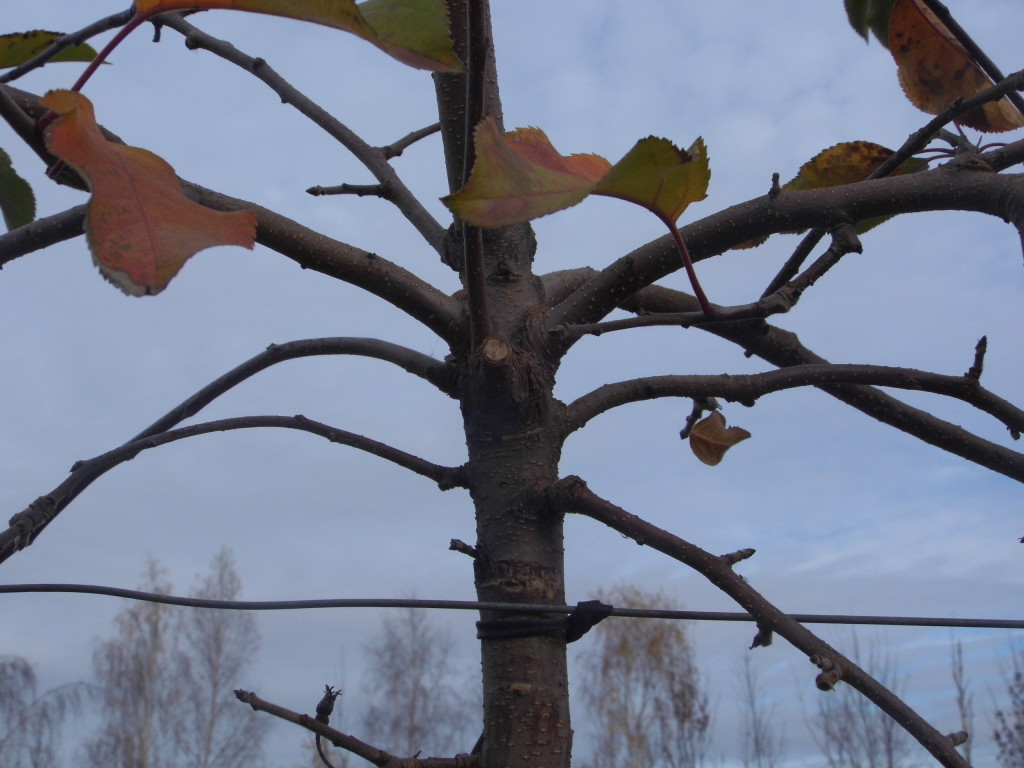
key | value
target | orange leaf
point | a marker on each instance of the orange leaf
(710, 438)
(518, 176)
(935, 70)
(140, 226)
(416, 32)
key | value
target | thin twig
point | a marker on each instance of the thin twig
(371, 157)
(382, 191)
(395, 149)
(376, 756)
(75, 38)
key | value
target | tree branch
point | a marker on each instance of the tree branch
(373, 158)
(373, 755)
(747, 388)
(75, 38)
(416, 363)
(783, 349)
(313, 250)
(571, 494)
(26, 525)
(944, 188)
(781, 300)
(42, 233)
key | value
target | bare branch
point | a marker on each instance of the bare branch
(571, 494)
(313, 250)
(42, 233)
(359, 190)
(783, 348)
(935, 190)
(373, 158)
(376, 756)
(437, 373)
(26, 525)
(395, 149)
(747, 388)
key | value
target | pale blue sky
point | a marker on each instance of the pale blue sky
(847, 515)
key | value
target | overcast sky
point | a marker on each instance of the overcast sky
(847, 515)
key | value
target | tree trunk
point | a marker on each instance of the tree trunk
(513, 431)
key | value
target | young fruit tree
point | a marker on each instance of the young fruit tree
(509, 327)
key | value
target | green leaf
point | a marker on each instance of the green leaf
(413, 31)
(19, 47)
(870, 16)
(659, 176)
(17, 202)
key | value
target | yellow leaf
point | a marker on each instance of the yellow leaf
(659, 176)
(710, 438)
(519, 176)
(140, 226)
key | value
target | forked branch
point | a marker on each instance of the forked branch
(377, 757)
(373, 158)
(571, 494)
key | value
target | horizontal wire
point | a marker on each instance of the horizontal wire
(470, 605)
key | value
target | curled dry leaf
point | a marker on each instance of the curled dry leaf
(140, 226)
(935, 70)
(710, 438)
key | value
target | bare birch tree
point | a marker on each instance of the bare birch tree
(417, 700)
(762, 743)
(640, 683)
(166, 681)
(1009, 719)
(30, 722)
(850, 731)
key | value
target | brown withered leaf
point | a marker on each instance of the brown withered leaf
(935, 69)
(710, 438)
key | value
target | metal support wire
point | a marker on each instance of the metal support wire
(470, 605)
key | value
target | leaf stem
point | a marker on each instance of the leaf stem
(690, 271)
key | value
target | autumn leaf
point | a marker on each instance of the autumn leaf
(844, 163)
(17, 202)
(519, 176)
(935, 70)
(140, 226)
(19, 47)
(660, 177)
(416, 32)
(710, 438)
